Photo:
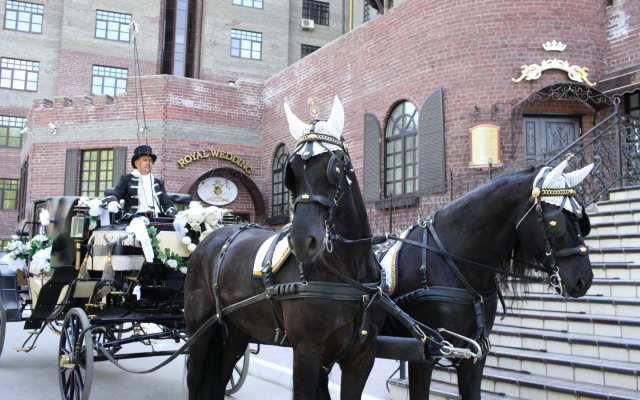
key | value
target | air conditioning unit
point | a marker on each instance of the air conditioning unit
(308, 24)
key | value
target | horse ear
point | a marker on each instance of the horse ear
(336, 120)
(554, 175)
(576, 177)
(296, 126)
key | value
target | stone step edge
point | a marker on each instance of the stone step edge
(581, 362)
(604, 392)
(574, 317)
(583, 299)
(573, 338)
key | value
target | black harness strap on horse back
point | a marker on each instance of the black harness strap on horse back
(267, 275)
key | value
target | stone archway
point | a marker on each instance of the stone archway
(259, 205)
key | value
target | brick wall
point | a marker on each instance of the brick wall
(623, 34)
(182, 116)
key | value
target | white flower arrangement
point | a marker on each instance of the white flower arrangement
(37, 250)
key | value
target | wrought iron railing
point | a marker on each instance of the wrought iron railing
(613, 145)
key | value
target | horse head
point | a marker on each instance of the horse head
(553, 230)
(316, 174)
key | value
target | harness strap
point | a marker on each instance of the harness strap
(310, 198)
(464, 260)
(267, 275)
(450, 262)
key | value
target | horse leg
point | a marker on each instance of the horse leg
(323, 386)
(203, 365)
(307, 367)
(354, 377)
(470, 379)
(234, 349)
(420, 380)
(203, 361)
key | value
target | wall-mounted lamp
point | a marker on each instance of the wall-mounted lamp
(53, 127)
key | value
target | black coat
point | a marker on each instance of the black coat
(127, 189)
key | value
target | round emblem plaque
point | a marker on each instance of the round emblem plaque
(217, 191)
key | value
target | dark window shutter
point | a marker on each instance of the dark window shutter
(431, 142)
(119, 163)
(71, 172)
(371, 178)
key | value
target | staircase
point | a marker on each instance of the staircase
(553, 348)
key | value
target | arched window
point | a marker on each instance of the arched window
(401, 150)
(280, 194)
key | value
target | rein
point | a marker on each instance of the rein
(453, 257)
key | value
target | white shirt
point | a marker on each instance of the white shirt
(146, 194)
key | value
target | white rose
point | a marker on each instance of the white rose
(173, 264)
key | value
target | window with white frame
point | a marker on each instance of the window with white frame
(401, 150)
(248, 3)
(112, 26)
(245, 44)
(19, 74)
(24, 17)
(108, 80)
(10, 128)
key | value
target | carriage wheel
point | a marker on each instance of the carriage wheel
(240, 371)
(75, 356)
(3, 324)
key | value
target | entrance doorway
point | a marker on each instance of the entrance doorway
(545, 135)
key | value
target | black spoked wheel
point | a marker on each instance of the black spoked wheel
(240, 371)
(3, 324)
(75, 356)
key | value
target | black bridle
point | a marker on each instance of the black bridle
(553, 225)
(336, 174)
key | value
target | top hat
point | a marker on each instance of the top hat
(140, 151)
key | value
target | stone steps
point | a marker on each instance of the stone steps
(567, 344)
(585, 324)
(525, 385)
(579, 368)
(593, 305)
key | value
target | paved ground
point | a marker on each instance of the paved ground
(34, 375)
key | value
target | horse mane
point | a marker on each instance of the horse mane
(519, 261)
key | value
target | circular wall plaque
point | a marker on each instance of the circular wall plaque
(217, 191)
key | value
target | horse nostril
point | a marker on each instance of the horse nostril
(581, 285)
(312, 244)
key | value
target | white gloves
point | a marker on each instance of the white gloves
(113, 207)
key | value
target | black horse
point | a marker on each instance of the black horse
(516, 223)
(315, 303)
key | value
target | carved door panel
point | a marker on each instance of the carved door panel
(545, 136)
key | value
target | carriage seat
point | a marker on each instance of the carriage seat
(177, 198)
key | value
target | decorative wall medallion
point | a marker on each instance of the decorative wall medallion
(534, 71)
(217, 191)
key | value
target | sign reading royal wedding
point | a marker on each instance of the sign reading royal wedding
(189, 158)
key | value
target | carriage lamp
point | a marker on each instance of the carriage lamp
(80, 222)
(485, 146)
